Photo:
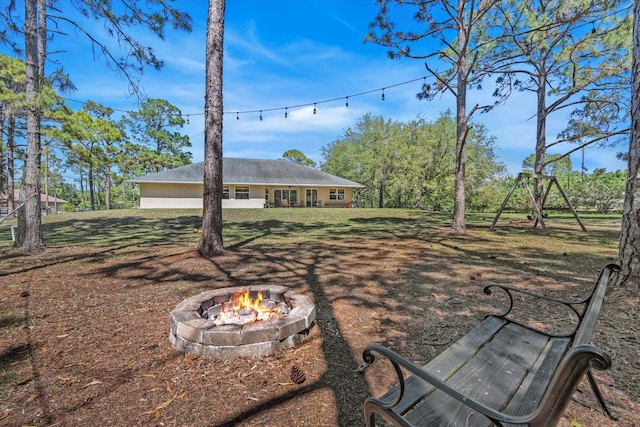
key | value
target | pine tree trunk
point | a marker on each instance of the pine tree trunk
(92, 193)
(211, 239)
(107, 189)
(461, 129)
(630, 233)
(541, 142)
(29, 236)
(11, 149)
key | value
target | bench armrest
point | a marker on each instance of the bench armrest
(398, 361)
(573, 305)
(511, 289)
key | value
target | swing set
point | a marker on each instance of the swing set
(537, 210)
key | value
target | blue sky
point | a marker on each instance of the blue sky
(282, 53)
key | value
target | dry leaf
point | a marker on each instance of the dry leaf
(24, 380)
(188, 357)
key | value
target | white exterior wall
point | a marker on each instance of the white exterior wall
(189, 196)
(236, 203)
(163, 196)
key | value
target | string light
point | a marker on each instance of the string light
(286, 109)
(316, 103)
(424, 78)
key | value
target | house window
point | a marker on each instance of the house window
(225, 191)
(336, 194)
(242, 192)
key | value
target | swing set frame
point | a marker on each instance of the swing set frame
(537, 210)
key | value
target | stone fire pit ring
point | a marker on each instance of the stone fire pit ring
(192, 332)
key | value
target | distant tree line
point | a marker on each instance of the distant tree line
(412, 165)
(102, 150)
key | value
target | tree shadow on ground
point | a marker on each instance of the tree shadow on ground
(411, 283)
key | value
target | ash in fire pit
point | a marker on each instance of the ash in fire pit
(250, 321)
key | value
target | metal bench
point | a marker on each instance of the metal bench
(501, 373)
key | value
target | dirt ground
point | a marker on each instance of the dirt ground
(85, 332)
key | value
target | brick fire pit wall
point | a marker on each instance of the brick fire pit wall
(193, 333)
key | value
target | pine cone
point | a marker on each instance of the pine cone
(297, 376)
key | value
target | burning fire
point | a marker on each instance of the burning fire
(242, 309)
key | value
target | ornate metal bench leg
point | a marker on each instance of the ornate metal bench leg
(596, 391)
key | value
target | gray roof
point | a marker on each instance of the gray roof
(251, 172)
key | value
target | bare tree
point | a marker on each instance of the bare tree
(549, 49)
(211, 239)
(454, 28)
(630, 233)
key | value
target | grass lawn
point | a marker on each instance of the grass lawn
(85, 324)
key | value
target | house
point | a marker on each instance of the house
(247, 183)
(53, 204)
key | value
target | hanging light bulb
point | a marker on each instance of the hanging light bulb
(285, 112)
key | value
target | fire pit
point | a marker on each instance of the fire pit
(241, 321)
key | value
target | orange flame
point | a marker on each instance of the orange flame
(242, 306)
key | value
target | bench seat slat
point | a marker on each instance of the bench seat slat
(446, 363)
(490, 377)
(530, 393)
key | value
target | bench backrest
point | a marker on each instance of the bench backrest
(580, 357)
(592, 310)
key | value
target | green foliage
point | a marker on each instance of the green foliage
(155, 144)
(297, 156)
(575, 57)
(601, 190)
(412, 164)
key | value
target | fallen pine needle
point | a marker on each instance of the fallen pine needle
(94, 382)
(287, 383)
(156, 410)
